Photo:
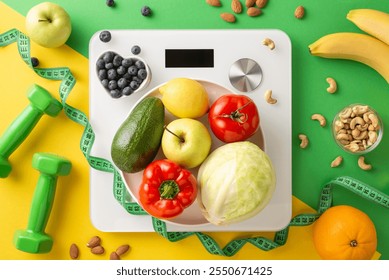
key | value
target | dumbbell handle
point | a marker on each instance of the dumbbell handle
(18, 130)
(42, 202)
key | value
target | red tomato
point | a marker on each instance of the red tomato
(233, 118)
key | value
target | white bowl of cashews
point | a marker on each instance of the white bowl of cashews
(357, 129)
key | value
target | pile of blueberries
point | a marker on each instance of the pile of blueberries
(120, 76)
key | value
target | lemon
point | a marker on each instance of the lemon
(185, 98)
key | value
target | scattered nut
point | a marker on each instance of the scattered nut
(114, 256)
(93, 242)
(261, 3)
(269, 43)
(304, 141)
(215, 3)
(253, 12)
(250, 3)
(268, 97)
(236, 6)
(332, 85)
(337, 161)
(362, 164)
(299, 12)
(228, 17)
(98, 250)
(319, 118)
(74, 251)
(122, 249)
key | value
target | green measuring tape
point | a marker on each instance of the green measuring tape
(122, 196)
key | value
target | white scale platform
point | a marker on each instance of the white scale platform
(106, 115)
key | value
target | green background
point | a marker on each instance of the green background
(357, 83)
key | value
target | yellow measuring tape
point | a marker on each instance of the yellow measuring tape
(68, 81)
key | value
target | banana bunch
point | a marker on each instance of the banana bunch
(371, 50)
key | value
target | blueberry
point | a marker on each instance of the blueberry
(122, 83)
(135, 50)
(127, 62)
(109, 65)
(121, 70)
(140, 65)
(137, 79)
(127, 76)
(105, 36)
(112, 74)
(117, 60)
(102, 74)
(146, 11)
(142, 74)
(34, 61)
(110, 3)
(108, 57)
(127, 91)
(132, 70)
(105, 83)
(100, 64)
(115, 93)
(112, 85)
(134, 85)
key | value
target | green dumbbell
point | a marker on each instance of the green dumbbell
(34, 239)
(41, 102)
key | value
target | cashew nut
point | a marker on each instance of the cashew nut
(338, 125)
(361, 136)
(343, 136)
(355, 132)
(362, 127)
(366, 117)
(353, 147)
(362, 164)
(374, 120)
(269, 43)
(355, 121)
(336, 162)
(268, 97)
(360, 109)
(346, 113)
(372, 136)
(319, 118)
(304, 141)
(332, 85)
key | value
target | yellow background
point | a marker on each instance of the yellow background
(69, 221)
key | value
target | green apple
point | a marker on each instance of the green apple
(48, 25)
(187, 142)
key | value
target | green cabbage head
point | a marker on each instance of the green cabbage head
(236, 182)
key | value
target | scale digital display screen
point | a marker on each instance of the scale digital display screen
(189, 58)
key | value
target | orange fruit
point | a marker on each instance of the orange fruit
(344, 233)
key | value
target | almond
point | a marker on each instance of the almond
(215, 3)
(250, 3)
(122, 249)
(228, 17)
(236, 6)
(299, 12)
(114, 256)
(261, 3)
(73, 252)
(93, 242)
(253, 12)
(98, 250)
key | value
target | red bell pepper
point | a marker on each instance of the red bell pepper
(166, 189)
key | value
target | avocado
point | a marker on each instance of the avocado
(138, 139)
